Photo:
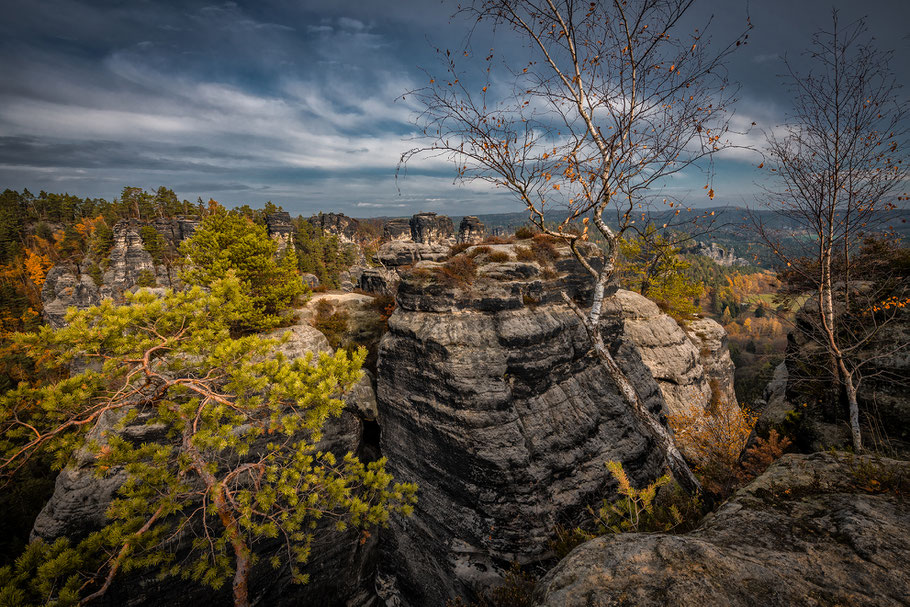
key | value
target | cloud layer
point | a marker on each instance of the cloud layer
(298, 103)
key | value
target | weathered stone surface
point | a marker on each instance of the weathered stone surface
(666, 350)
(379, 280)
(496, 408)
(63, 289)
(342, 226)
(471, 230)
(398, 228)
(800, 534)
(710, 339)
(718, 254)
(280, 229)
(175, 229)
(128, 261)
(309, 280)
(342, 567)
(401, 253)
(430, 228)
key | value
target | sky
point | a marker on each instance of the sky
(299, 101)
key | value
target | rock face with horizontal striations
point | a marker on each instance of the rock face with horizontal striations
(490, 400)
(471, 230)
(396, 229)
(710, 339)
(280, 229)
(807, 532)
(129, 261)
(665, 348)
(430, 228)
(342, 565)
(342, 226)
(62, 289)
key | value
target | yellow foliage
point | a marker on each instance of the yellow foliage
(37, 266)
(714, 439)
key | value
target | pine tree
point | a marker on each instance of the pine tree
(228, 241)
(240, 462)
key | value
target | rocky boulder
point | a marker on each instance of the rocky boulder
(664, 347)
(62, 290)
(396, 229)
(471, 230)
(338, 224)
(401, 253)
(810, 531)
(710, 339)
(379, 280)
(430, 228)
(490, 400)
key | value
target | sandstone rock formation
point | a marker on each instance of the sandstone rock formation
(128, 261)
(396, 229)
(63, 289)
(343, 567)
(803, 385)
(430, 228)
(398, 253)
(280, 229)
(471, 230)
(718, 254)
(339, 224)
(710, 340)
(665, 348)
(490, 400)
(806, 532)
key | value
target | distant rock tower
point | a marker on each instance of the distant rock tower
(280, 229)
(471, 230)
(430, 228)
(396, 229)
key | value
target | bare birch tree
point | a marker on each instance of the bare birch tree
(608, 102)
(838, 166)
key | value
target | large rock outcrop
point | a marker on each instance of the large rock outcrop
(280, 229)
(338, 224)
(804, 396)
(128, 261)
(398, 228)
(62, 290)
(810, 531)
(471, 230)
(430, 228)
(710, 339)
(665, 348)
(490, 400)
(342, 567)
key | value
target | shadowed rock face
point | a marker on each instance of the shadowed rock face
(800, 534)
(338, 224)
(491, 402)
(430, 228)
(280, 229)
(396, 229)
(341, 568)
(471, 230)
(62, 289)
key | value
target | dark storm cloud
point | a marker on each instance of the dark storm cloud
(295, 102)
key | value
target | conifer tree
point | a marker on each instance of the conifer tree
(239, 466)
(226, 241)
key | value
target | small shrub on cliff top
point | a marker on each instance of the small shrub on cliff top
(498, 257)
(524, 232)
(458, 271)
(330, 323)
(460, 247)
(498, 240)
(762, 454)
